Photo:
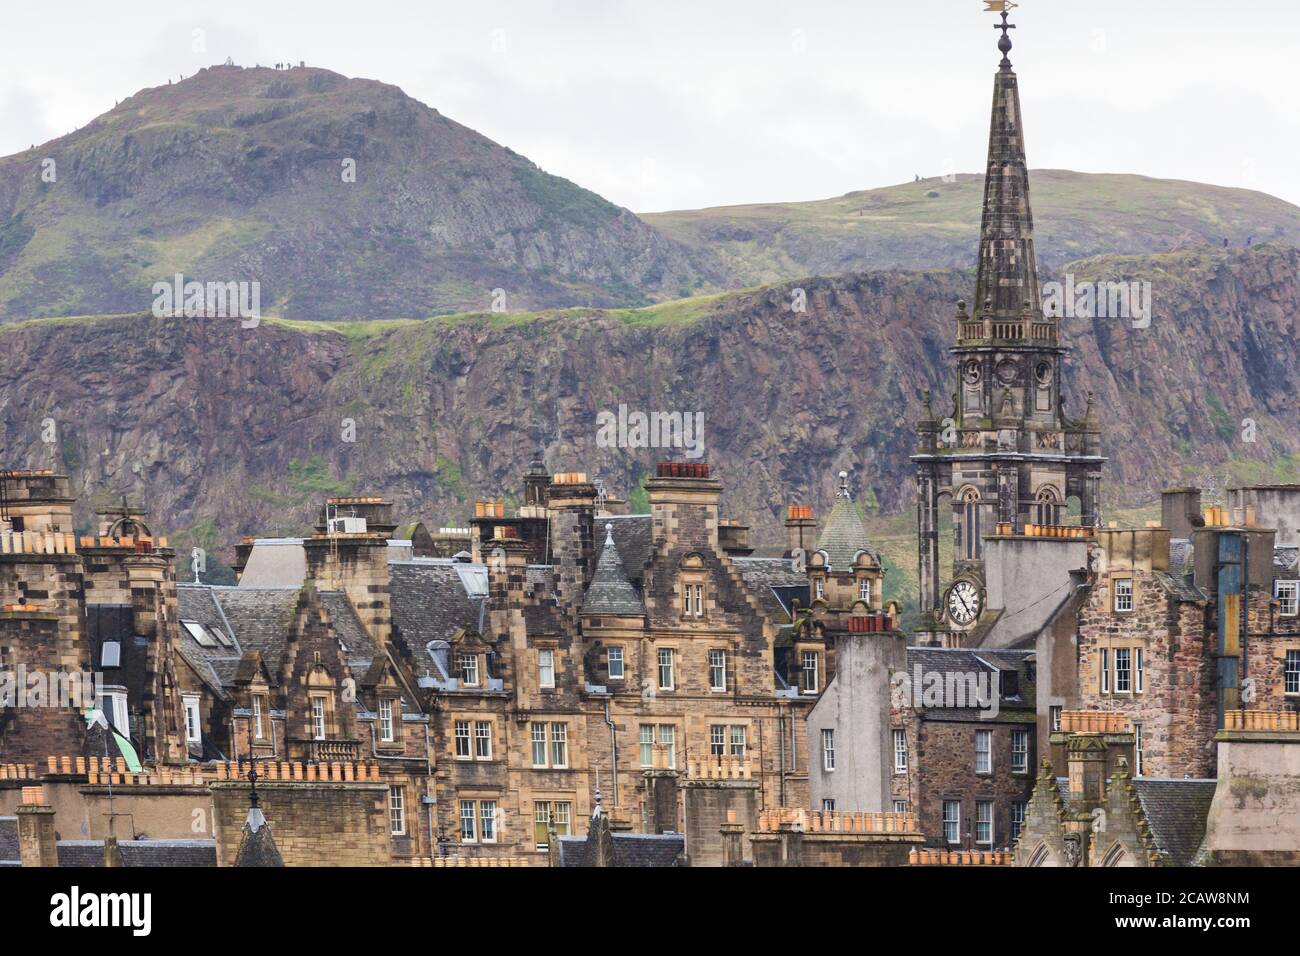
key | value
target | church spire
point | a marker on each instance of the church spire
(1006, 288)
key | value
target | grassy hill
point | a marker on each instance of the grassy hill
(935, 224)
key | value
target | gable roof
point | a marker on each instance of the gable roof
(630, 849)
(150, 853)
(1176, 811)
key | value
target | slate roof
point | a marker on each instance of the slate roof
(630, 849)
(1182, 557)
(960, 662)
(633, 536)
(1181, 587)
(260, 619)
(610, 592)
(150, 853)
(430, 602)
(9, 841)
(1176, 810)
(775, 583)
(843, 537)
(1286, 561)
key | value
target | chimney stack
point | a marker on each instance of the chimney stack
(800, 529)
(36, 838)
(684, 505)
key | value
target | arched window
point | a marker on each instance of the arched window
(1047, 507)
(970, 524)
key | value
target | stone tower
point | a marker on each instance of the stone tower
(1007, 453)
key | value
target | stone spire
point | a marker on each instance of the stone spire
(1008, 265)
(610, 591)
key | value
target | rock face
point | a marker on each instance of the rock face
(344, 198)
(225, 430)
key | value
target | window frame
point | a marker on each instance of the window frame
(537, 735)
(985, 736)
(193, 709)
(396, 810)
(1292, 601)
(1126, 597)
(901, 759)
(667, 661)
(559, 745)
(467, 665)
(804, 670)
(615, 652)
(984, 807)
(466, 738)
(1018, 765)
(487, 821)
(1290, 670)
(1123, 670)
(954, 821)
(258, 729)
(387, 727)
(546, 668)
(482, 732)
(828, 749)
(717, 665)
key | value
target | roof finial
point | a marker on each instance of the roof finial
(844, 486)
(609, 532)
(1004, 44)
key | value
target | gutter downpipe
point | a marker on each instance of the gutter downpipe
(613, 750)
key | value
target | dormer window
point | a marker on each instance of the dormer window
(386, 721)
(820, 588)
(864, 591)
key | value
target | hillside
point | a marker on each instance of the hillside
(238, 175)
(934, 224)
(226, 431)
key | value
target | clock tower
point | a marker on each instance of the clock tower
(1006, 455)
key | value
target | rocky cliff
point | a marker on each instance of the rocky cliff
(225, 430)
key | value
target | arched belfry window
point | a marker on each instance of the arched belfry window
(970, 524)
(1047, 507)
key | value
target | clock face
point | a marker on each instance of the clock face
(963, 602)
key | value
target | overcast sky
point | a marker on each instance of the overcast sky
(661, 104)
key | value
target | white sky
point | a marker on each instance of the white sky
(667, 104)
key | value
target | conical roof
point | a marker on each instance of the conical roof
(1008, 265)
(610, 591)
(257, 847)
(843, 536)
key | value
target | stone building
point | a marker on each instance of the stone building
(1006, 457)
(440, 707)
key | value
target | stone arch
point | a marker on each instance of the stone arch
(1047, 505)
(969, 545)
